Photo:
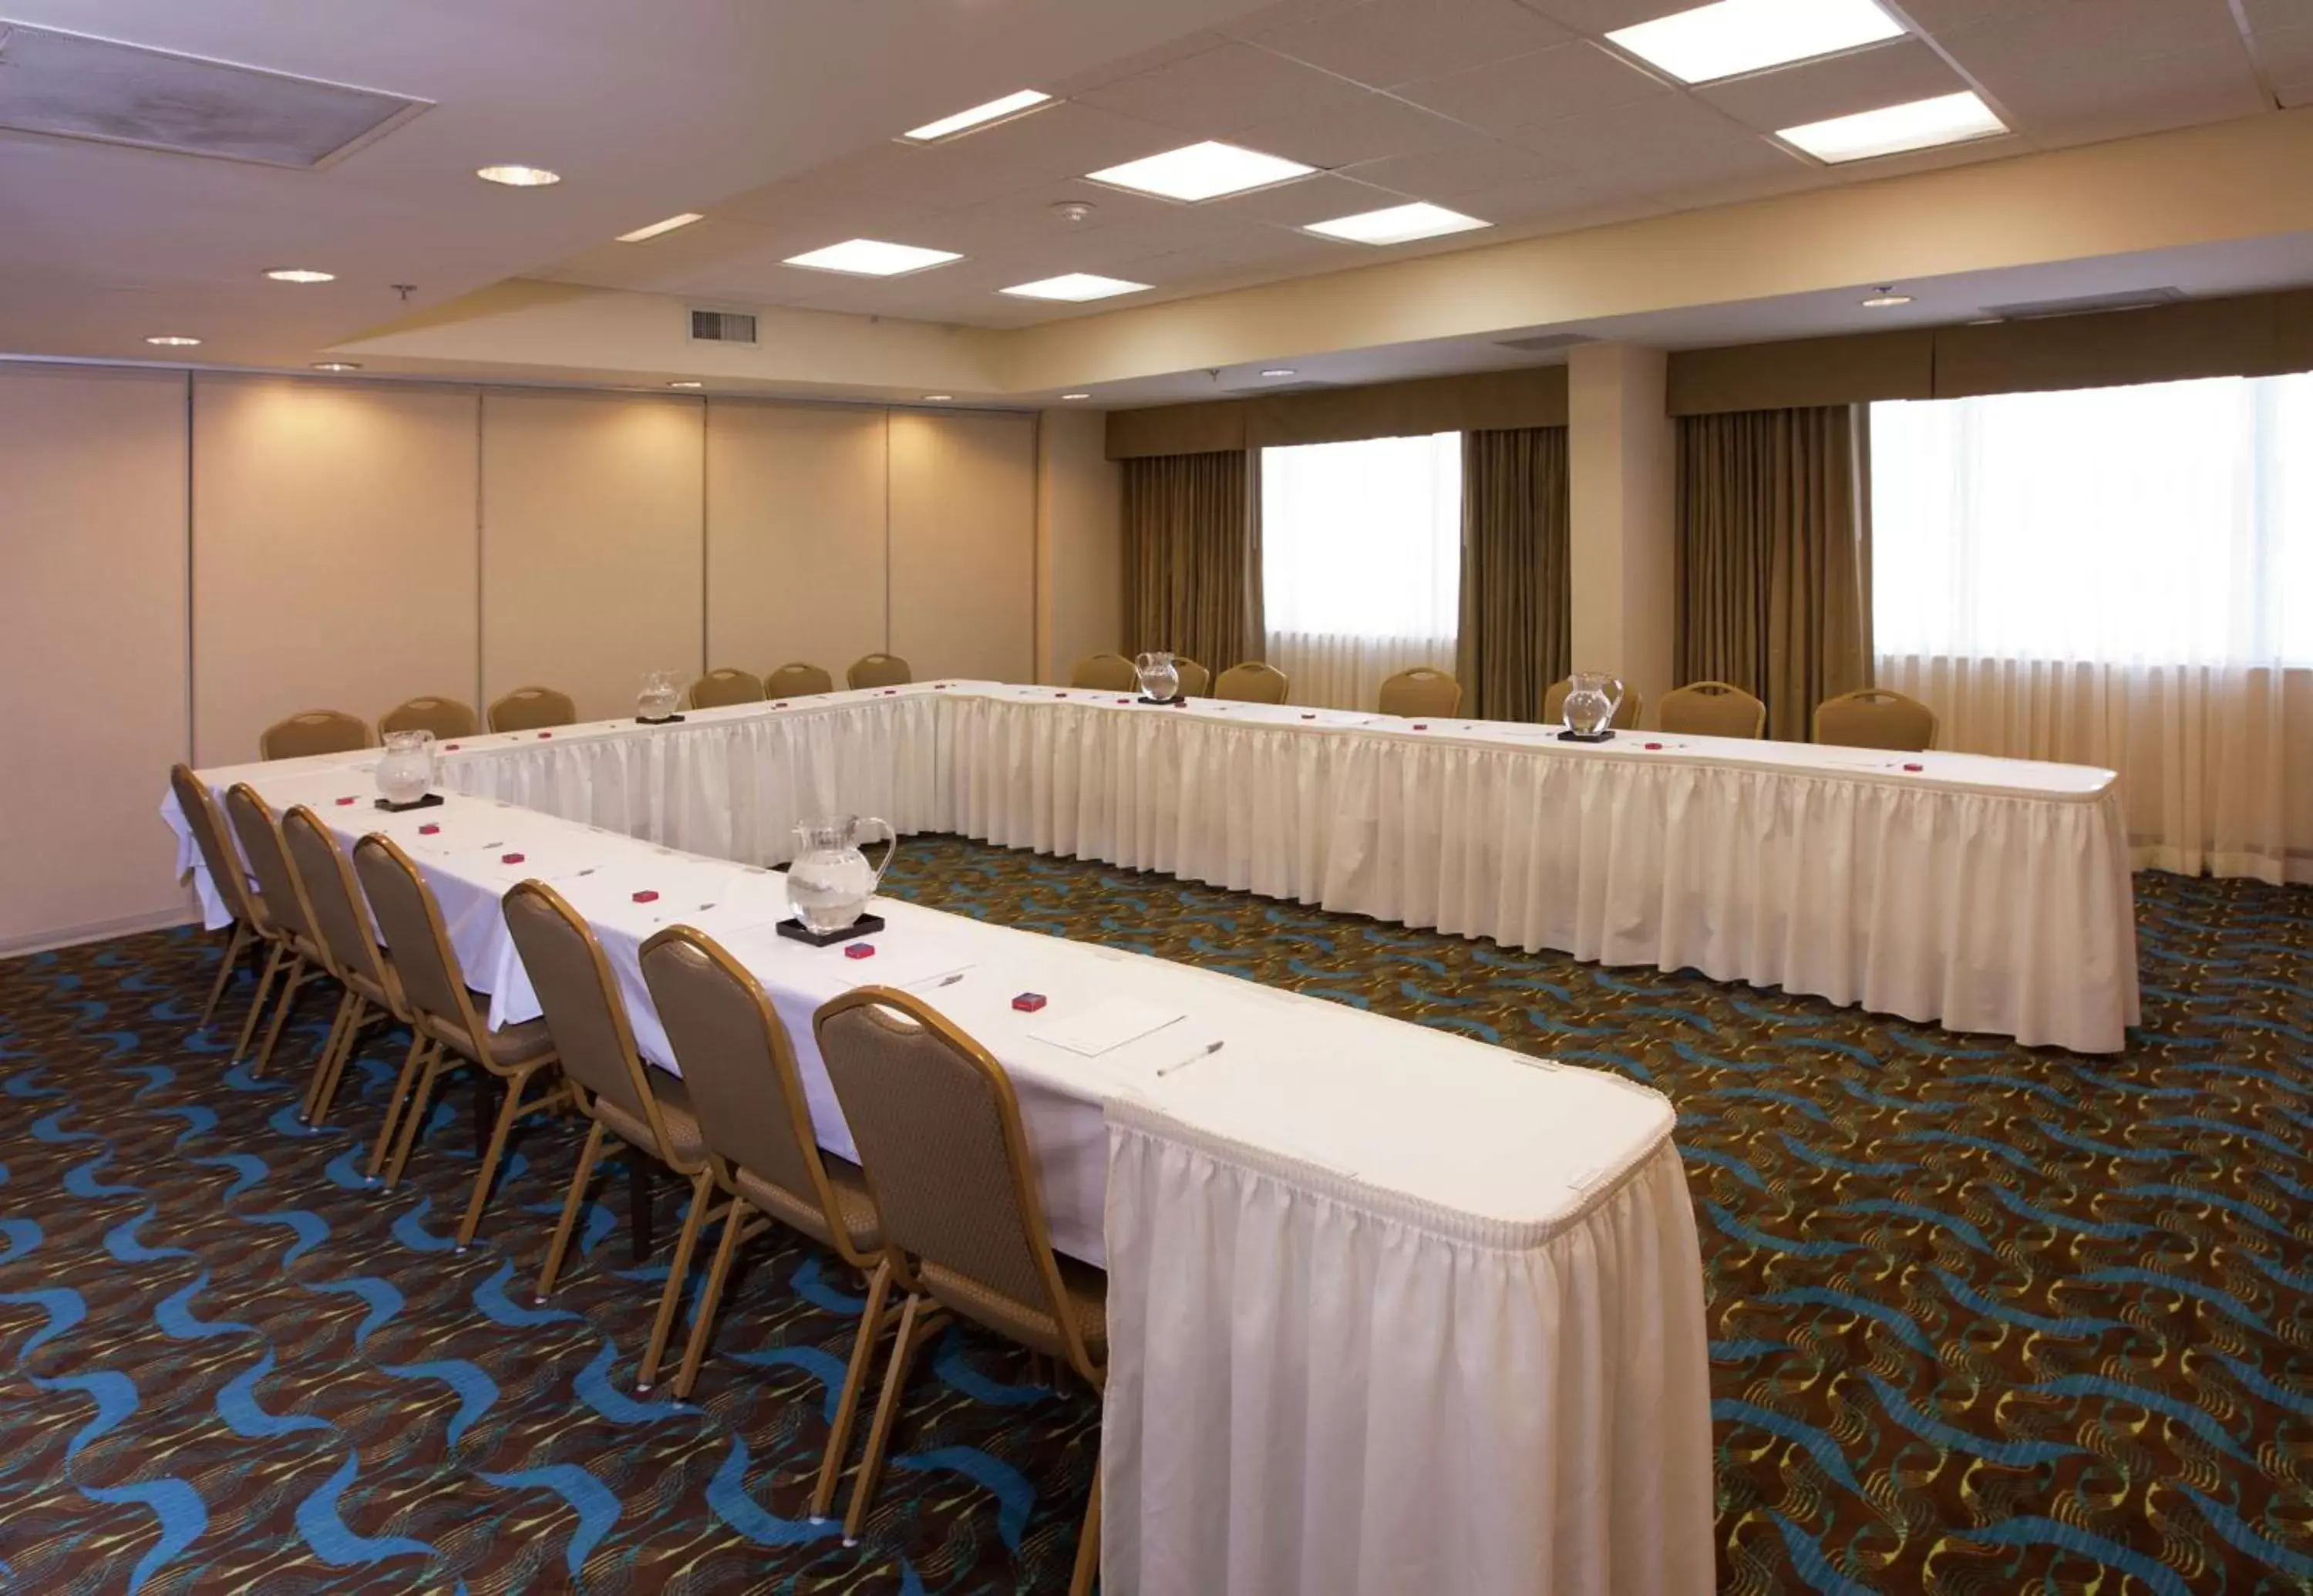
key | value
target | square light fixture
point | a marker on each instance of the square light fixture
(1735, 36)
(1204, 171)
(1011, 104)
(1398, 224)
(1075, 286)
(1947, 119)
(871, 258)
(643, 234)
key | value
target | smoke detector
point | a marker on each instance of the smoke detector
(1073, 210)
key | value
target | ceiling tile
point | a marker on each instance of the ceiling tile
(2051, 36)
(2263, 14)
(1539, 87)
(1483, 164)
(1367, 128)
(1318, 198)
(1217, 93)
(1603, 17)
(1601, 141)
(2106, 93)
(1387, 42)
(2285, 55)
(1895, 73)
(1140, 61)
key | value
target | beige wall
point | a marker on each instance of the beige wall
(963, 543)
(1080, 543)
(1622, 461)
(92, 646)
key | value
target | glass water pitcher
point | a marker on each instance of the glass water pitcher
(1591, 703)
(830, 880)
(406, 772)
(1160, 678)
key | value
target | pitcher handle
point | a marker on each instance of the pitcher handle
(1614, 704)
(891, 845)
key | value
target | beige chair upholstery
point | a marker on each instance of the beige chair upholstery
(222, 862)
(797, 680)
(1196, 680)
(448, 1014)
(445, 717)
(1251, 683)
(533, 709)
(1420, 691)
(1626, 717)
(726, 686)
(741, 1070)
(312, 731)
(333, 903)
(296, 955)
(1713, 709)
(879, 670)
(941, 1144)
(1876, 718)
(1105, 673)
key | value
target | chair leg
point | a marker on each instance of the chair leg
(420, 1049)
(257, 1001)
(509, 1110)
(702, 1188)
(887, 1407)
(289, 989)
(1088, 1542)
(710, 1296)
(570, 1206)
(233, 948)
(489, 1103)
(413, 1116)
(338, 1027)
(855, 1381)
(365, 1011)
(640, 1173)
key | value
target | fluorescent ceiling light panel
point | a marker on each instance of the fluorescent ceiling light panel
(300, 274)
(1201, 171)
(519, 177)
(1737, 36)
(1949, 119)
(643, 234)
(1400, 224)
(1009, 105)
(1076, 286)
(867, 257)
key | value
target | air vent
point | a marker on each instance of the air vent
(722, 326)
(1541, 343)
(2095, 303)
(72, 86)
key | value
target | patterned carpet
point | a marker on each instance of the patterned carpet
(1983, 1320)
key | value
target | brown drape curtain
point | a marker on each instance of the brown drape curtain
(1193, 557)
(1516, 598)
(1774, 556)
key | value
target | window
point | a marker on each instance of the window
(1361, 561)
(2164, 525)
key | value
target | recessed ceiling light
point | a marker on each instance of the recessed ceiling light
(1076, 286)
(172, 341)
(1886, 298)
(686, 384)
(1398, 224)
(1020, 99)
(519, 177)
(641, 234)
(867, 257)
(300, 274)
(1281, 371)
(1947, 119)
(1075, 396)
(936, 398)
(1201, 171)
(1715, 41)
(336, 365)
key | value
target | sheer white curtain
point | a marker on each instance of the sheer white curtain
(1361, 563)
(2116, 577)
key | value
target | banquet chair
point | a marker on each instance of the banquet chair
(797, 680)
(1713, 710)
(1420, 690)
(445, 717)
(530, 709)
(1876, 718)
(740, 1069)
(297, 955)
(312, 731)
(943, 1151)
(1104, 672)
(724, 686)
(649, 1110)
(247, 907)
(1626, 713)
(1196, 680)
(1251, 683)
(879, 670)
(333, 904)
(449, 1014)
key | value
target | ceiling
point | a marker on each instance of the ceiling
(777, 122)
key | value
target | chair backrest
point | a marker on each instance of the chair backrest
(1420, 690)
(1626, 716)
(724, 686)
(1106, 672)
(326, 877)
(1868, 718)
(579, 998)
(445, 717)
(1713, 709)
(1251, 683)
(1196, 680)
(940, 1145)
(527, 709)
(260, 843)
(797, 680)
(738, 1065)
(218, 854)
(879, 670)
(410, 921)
(312, 731)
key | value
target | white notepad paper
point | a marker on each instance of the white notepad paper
(1095, 1028)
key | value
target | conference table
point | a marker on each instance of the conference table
(1387, 1305)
